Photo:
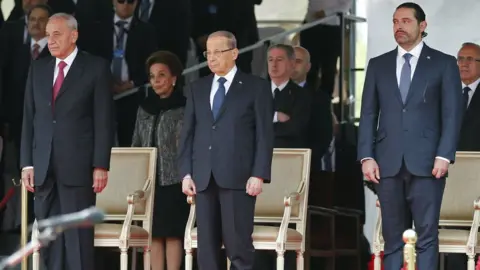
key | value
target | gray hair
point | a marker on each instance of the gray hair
(71, 21)
(286, 48)
(305, 51)
(471, 44)
(231, 40)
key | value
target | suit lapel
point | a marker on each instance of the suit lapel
(232, 94)
(47, 81)
(204, 93)
(420, 79)
(391, 71)
(74, 74)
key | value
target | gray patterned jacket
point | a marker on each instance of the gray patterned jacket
(163, 132)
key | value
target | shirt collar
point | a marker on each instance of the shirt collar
(302, 84)
(69, 59)
(473, 86)
(42, 43)
(229, 77)
(128, 20)
(415, 52)
(281, 86)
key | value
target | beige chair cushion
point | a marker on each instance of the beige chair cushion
(450, 237)
(113, 231)
(266, 234)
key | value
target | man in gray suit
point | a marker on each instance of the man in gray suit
(225, 155)
(67, 136)
(409, 126)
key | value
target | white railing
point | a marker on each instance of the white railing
(255, 46)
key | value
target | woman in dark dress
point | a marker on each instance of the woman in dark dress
(158, 124)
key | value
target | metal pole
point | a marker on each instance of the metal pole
(341, 74)
(24, 224)
(409, 256)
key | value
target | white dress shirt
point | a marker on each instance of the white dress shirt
(125, 77)
(280, 87)
(229, 79)
(330, 7)
(473, 86)
(42, 43)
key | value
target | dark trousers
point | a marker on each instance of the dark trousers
(403, 198)
(224, 216)
(73, 249)
(323, 42)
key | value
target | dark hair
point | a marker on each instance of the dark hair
(289, 50)
(417, 12)
(45, 7)
(170, 60)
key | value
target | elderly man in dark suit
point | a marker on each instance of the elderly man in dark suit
(225, 155)
(67, 136)
(409, 127)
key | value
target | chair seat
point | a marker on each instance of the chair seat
(450, 237)
(113, 231)
(266, 234)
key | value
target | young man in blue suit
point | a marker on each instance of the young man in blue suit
(409, 127)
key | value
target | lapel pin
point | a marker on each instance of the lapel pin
(428, 57)
(240, 82)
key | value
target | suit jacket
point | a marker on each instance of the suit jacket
(77, 135)
(172, 21)
(294, 101)
(426, 126)
(471, 125)
(236, 146)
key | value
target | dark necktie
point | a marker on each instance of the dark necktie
(145, 10)
(466, 91)
(405, 77)
(119, 50)
(218, 97)
(59, 80)
(276, 92)
(35, 51)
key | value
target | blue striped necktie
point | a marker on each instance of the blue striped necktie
(218, 97)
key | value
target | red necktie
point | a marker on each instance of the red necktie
(35, 51)
(59, 81)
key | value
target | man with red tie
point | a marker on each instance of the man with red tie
(67, 136)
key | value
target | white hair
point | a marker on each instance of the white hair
(232, 41)
(71, 21)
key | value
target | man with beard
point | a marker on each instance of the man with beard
(409, 127)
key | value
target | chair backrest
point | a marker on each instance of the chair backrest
(461, 190)
(131, 169)
(290, 173)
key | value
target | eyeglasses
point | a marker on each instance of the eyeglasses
(216, 53)
(128, 1)
(468, 59)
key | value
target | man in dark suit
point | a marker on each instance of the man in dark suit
(21, 8)
(410, 122)
(67, 136)
(126, 42)
(292, 103)
(469, 64)
(225, 156)
(468, 60)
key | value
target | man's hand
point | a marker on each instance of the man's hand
(254, 186)
(370, 170)
(440, 168)
(100, 179)
(188, 187)
(282, 117)
(27, 179)
(122, 87)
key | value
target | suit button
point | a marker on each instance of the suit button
(404, 110)
(49, 104)
(210, 147)
(54, 121)
(214, 127)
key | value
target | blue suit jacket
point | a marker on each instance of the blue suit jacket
(426, 126)
(235, 146)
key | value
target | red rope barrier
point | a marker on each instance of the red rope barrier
(7, 197)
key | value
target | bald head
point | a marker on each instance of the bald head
(468, 60)
(302, 64)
